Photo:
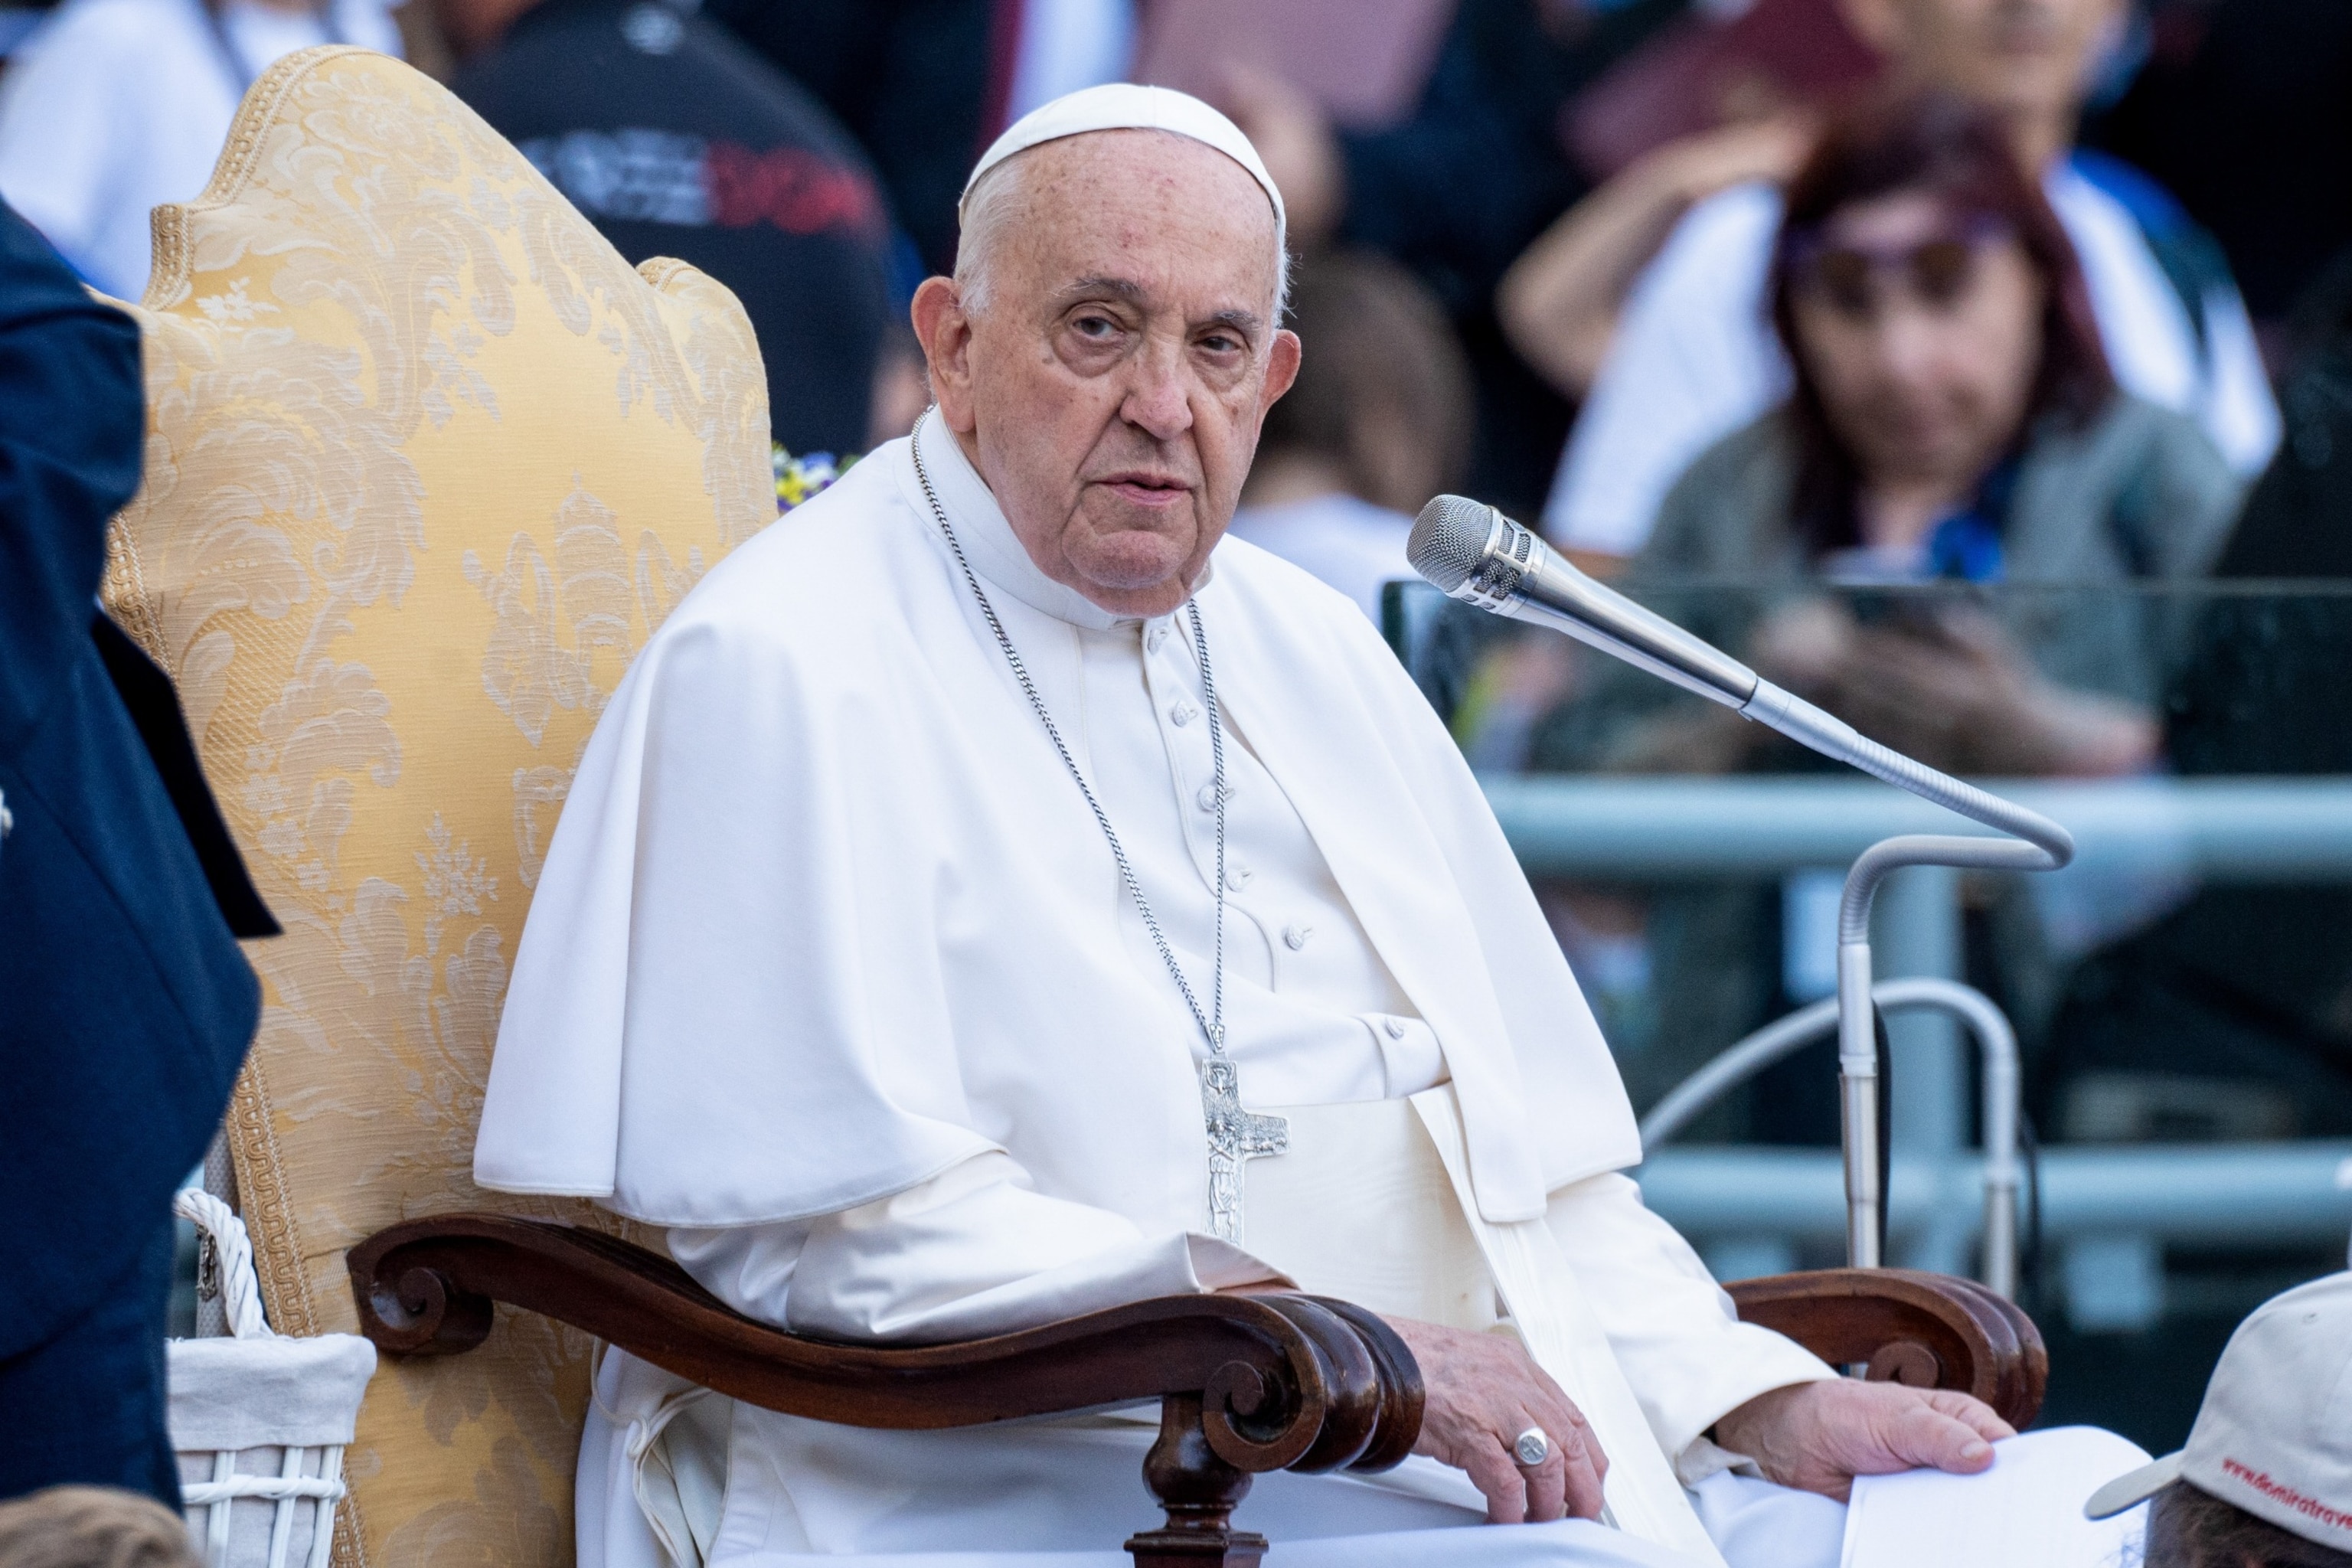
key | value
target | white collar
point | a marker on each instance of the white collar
(996, 552)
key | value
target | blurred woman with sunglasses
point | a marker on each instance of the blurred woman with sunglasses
(1953, 418)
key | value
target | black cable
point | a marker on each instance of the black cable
(2029, 1272)
(1885, 1125)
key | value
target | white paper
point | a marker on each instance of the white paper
(2024, 1513)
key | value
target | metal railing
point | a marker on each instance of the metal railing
(2257, 1194)
(2213, 830)
(2247, 830)
(1775, 1041)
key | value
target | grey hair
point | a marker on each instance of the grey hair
(995, 203)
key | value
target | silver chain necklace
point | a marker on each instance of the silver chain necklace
(1234, 1134)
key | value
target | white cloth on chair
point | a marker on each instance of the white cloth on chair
(259, 1420)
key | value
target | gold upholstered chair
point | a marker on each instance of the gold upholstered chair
(426, 463)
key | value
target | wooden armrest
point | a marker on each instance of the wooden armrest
(1246, 1383)
(1929, 1331)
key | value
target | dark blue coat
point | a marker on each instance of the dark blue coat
(125, 1005)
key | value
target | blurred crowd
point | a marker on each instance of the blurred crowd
(1796, 309)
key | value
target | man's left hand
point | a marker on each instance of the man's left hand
(1817, 1436)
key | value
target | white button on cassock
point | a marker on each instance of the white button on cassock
(1395, 1026)
(1155, 636)
(1182, 712)
(1237, 877)
(1294, 937)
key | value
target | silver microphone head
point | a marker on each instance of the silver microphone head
(1470, 551)
(1479, 556)
(1449, 540)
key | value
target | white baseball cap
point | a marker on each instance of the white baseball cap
(2275, 1434)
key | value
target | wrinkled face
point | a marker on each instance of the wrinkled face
(1922, 335)
(1110, 380)
(2031, 57)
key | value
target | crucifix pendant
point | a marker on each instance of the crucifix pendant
(1234, 1135)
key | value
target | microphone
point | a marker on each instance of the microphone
(1479, 556)
(1474, 553)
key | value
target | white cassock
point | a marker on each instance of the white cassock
(830, 972)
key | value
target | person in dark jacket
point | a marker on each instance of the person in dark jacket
(918, 82)
(125, 1006)
(675, 140)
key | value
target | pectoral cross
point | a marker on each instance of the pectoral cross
(1234, 1135)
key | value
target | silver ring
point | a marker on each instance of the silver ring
(1531, 1448)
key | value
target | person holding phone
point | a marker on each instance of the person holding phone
(1953, 418)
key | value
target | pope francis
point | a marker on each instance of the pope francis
(990, 897)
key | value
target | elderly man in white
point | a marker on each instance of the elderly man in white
(966, 852)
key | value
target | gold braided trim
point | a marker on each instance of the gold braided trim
(126, 594)
(269, 1208)
(168, 279)
(263, 1200)
(167, 268)
(351, 1541)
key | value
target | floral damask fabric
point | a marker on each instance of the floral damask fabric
(426, 463)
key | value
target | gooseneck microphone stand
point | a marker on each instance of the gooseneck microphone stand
(1477, 555)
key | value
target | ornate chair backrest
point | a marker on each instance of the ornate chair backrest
(426, 463)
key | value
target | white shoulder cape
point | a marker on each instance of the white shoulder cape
(806, 935)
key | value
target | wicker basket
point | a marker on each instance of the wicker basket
(260, 1421)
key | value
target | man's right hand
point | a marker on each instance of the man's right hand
(1484, 1390)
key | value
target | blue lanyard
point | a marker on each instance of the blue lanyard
(1968, 543)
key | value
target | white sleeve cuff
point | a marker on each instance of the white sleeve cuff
(1221, 1266)
(1758, 1361)
(1746, 1362)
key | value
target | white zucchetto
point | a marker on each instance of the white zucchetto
(1123, 106)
